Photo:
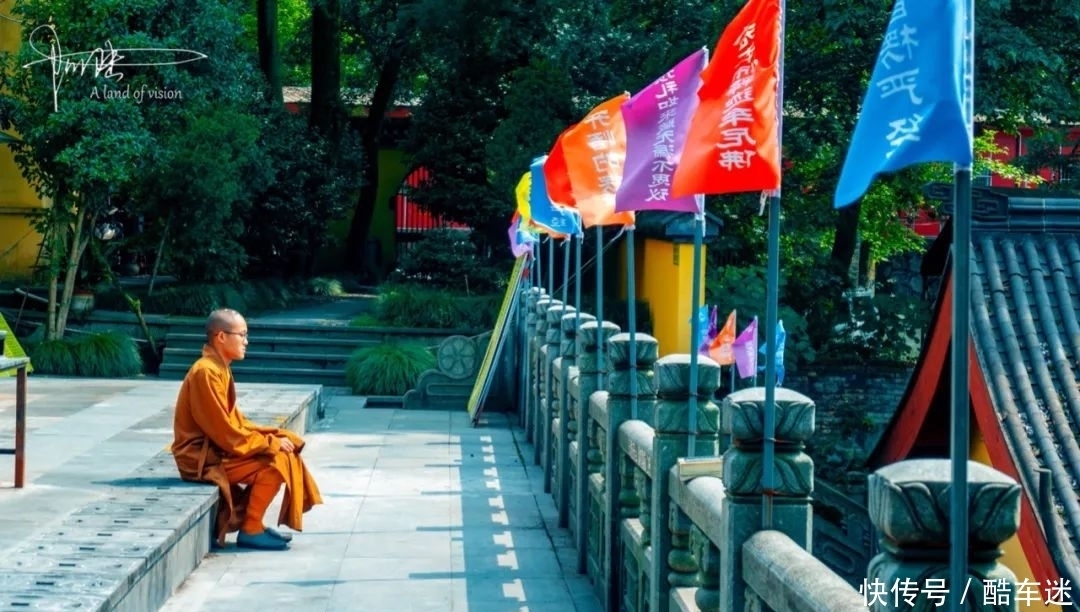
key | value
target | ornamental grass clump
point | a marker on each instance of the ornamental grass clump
(107, 355)
(53, 357)
(387, 369)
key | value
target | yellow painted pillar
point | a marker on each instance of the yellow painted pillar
(666, 281)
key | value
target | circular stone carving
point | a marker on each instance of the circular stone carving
(457, 357)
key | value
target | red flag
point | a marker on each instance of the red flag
(594, 151)
(733, 142)
(555, 173)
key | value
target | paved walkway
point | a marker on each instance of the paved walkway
(423, 512)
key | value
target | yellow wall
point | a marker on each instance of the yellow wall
(665, 280)
(1013, 556)
(18, 241)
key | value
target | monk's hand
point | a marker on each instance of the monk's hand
(286, 444)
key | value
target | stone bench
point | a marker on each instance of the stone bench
(128, 550)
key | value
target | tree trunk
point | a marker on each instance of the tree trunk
(326, 112)
(845, 241)
(269, 54)
(381, 99)
(80, 237)
(160, 253)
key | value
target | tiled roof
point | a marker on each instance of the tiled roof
(1025, 386)
(1025, 302)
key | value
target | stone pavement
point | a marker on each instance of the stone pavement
(423, 512)
(94, 528)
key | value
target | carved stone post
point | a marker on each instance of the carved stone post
(671, 423)
(549, 353)
(539, 380)
(593, 358)
(908, 503)
(567, 421)
(744, 420)
(532, 372)
(620, 408)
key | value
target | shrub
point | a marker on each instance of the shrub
(107, 355)
(330, 287)
(387, 369)
(448, 258)
(53, 357)
(412, 306)
(366, 320)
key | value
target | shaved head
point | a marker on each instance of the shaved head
(222, 319)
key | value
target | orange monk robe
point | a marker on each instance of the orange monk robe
(214, 442)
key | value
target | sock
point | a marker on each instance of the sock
(263, 489)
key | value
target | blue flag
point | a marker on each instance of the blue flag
(781, 337)
(559, 219)
(916, 106)
(702, 326)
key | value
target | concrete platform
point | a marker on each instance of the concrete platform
(104, 522)
(422, 512)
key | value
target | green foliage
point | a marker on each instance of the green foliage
(414, 306)
(330, 287)
(447, 258)
(366, 320)
(387, 369)
(101, 355)
(53, 357)
(744, 290)
(216, 147)
(883, 328)
(106, 355)
(301, 182)
(197, 300)
(618, 312)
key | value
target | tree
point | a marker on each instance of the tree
(159, 134)
(384, 35)
(269, 53)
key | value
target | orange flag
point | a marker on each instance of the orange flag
(594, 151)
(733, 141)
(720, 350)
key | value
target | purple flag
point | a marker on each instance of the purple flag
(520, 241)
(657, 119)
(745, 349)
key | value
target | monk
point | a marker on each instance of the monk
(214, 442)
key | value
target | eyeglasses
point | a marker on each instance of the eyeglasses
(243, 335)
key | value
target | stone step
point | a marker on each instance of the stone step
(259, 345)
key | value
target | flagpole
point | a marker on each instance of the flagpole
(551, 266)
(631, 317)
(539, 264)
(768, 472)
(566, 270)
(695, 325)
(580, 238)
(961, 331)
(600, 301)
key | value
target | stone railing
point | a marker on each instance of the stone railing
(663, 522)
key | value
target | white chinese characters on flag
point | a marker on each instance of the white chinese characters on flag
(915, 107)
(733, 143)
(594, 151)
